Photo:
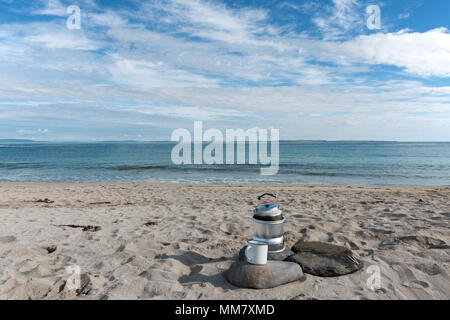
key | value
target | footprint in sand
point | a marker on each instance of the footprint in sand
(415, 284)
(230, 228)
(7, 239)
(423, 242)
(430, 269)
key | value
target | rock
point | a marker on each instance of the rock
(280, 256)
(51, 249)
(273, 274)
(324, 259)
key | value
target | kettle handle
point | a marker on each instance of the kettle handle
(266, 194)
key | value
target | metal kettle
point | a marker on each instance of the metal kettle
(268, 225)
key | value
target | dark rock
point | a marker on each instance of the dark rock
(324, 259)
(273, 274)
(280, 256)
(51, 249)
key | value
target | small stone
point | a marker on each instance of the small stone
(324, 259)
(273, 274)
(279, 256)
(51, 249)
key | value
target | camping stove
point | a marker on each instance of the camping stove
(268, 226)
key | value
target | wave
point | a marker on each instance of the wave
(12, 166)
(188, 168)
(129, 168)
(283, 171)
(438, 172)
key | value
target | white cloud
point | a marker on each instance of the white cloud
(336, 20)
(191, 112)
(155, 74)
(242, 70)
(63, 39)
(32, 132)
(53, 8)
(424, 54)
(383, 97)
(59, 9)
(106, 19)
(213, 21)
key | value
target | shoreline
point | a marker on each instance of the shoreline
(176, 241)
(224, 184)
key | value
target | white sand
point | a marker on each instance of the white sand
(199, 232)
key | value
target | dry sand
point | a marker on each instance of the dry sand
(175, 241)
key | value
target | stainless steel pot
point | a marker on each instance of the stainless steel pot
(268, 229)
(268, 225)
(275, 244)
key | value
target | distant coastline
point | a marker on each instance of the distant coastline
(16, 141)
(6, 141)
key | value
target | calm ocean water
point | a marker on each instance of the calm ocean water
(355, 163)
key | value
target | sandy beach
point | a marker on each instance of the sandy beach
(175, 241)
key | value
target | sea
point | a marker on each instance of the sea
(300, 162)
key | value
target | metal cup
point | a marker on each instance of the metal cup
(256, 252)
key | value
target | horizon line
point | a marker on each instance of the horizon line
(18, 141)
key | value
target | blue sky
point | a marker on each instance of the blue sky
(140, 69)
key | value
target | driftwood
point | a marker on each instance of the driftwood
(85, 228)
(44, 201)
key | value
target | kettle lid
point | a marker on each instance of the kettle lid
(267, 210)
